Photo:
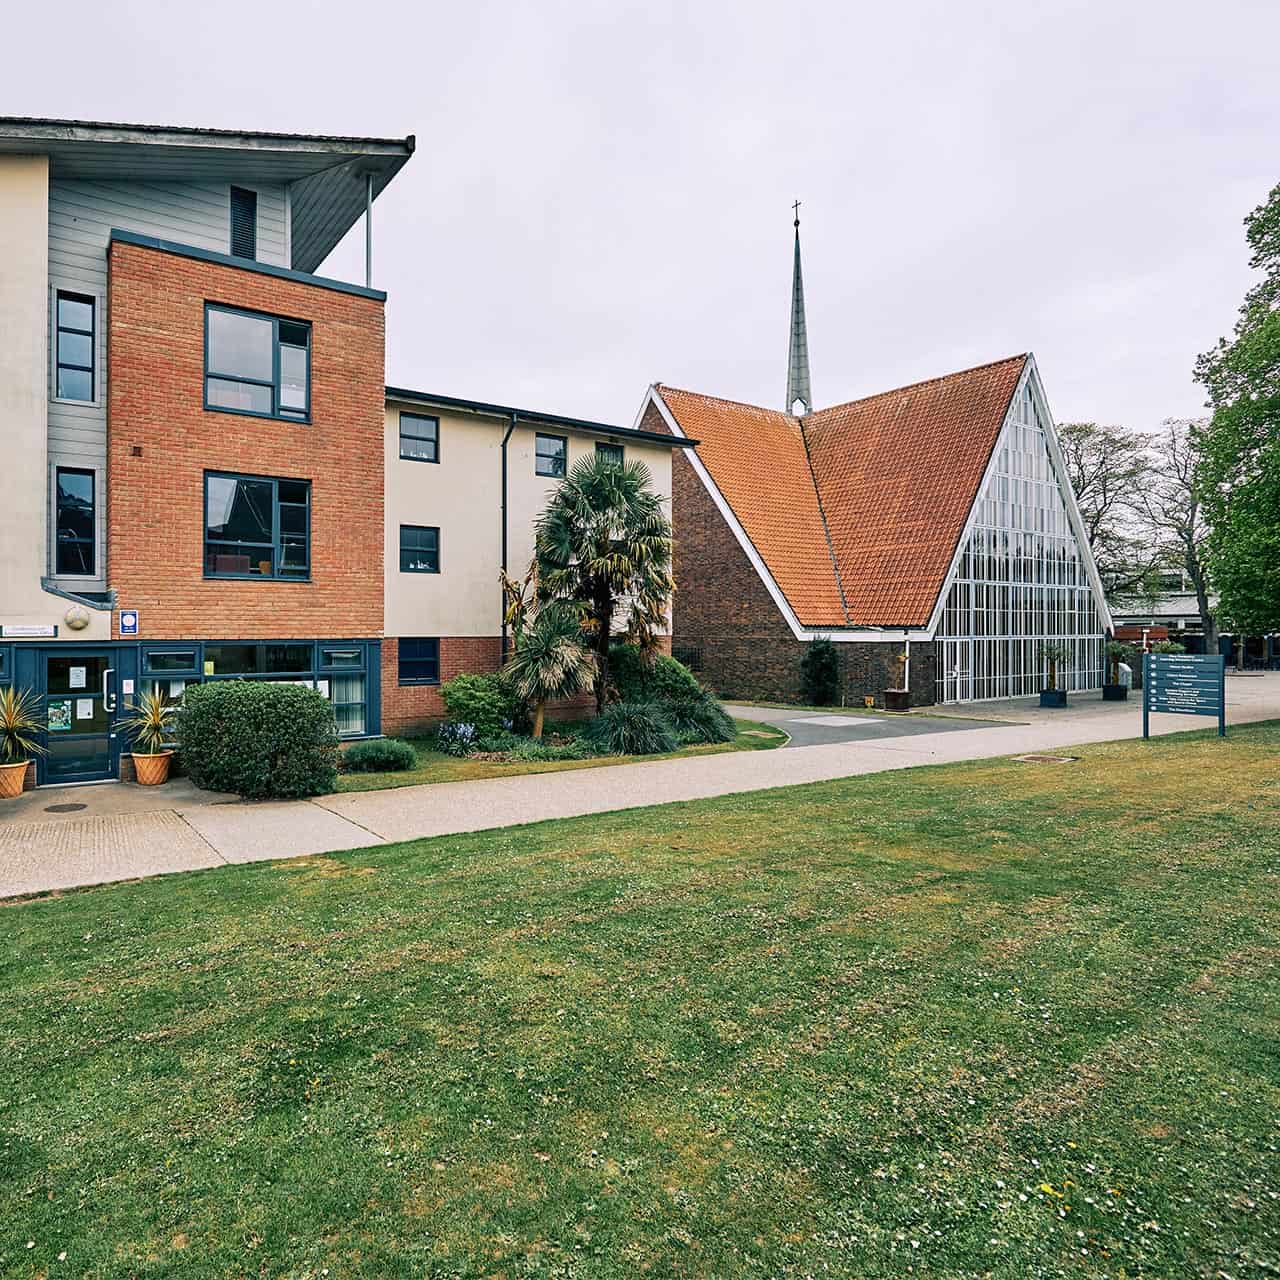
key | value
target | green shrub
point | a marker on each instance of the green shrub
(631, 729)
(485, 701)
(533, 749)
(1168, 646)
(259, 740)
(820, 672)
(700, 719)
(382, 755)
(657, 679)
(456, 739)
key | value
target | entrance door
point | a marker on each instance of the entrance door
(957, 671)
(79, 711)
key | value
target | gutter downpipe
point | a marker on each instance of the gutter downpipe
(511, 426)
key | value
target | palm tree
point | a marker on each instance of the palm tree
(603, 544)
(549, 661)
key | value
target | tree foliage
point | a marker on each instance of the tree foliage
(549, 661)
(603, 546)
(1238, 472)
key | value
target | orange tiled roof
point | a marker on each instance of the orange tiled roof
(857, 515)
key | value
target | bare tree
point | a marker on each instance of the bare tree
(1111, 469)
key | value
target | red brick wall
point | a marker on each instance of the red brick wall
(155, 501)
(408, 707)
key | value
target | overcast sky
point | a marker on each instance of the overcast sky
(600, 194)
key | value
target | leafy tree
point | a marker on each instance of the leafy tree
(549, 661)
(603, 545)
(820, 672)
(1238, 472)
(1109, 468)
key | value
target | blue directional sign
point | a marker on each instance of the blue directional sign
(1185, 684)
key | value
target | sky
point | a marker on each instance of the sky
(601, 192)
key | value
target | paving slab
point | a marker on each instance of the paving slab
(36, 857)
(259, 830)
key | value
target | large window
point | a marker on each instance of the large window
(74, 350)
(257, 364)
(419, 437)
(244, 223)
(419, 549)
(76, 538)
(419, 660)
(256, 527)
(338, 669)
(551, 455)
(1021, 581)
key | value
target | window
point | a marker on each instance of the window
(74, 379)
(256, 527)
(419, 661)
(171, 660)
(610, 453)
(257, 364)
(419, 438)
(75, 534)
(244, 223)
(419, 549)
(4, 665)
(550, 455)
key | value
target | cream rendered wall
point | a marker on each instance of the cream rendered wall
(24, 318)
(462, 495)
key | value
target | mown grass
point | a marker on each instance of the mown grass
(436, 766)
(995, 1020)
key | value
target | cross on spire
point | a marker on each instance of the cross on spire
(799, 393)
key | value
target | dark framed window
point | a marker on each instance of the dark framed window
(550, 455)
(76, 539)
(256, 527)
(256, 364)
(4, 664)
(167, 660)
(613, 453)
(419, 438)
(419, 661)
(244, 223)
(419, 549)
(75, 343)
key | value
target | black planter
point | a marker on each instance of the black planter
(1053, 697)
(1115, 693)
(897, 700)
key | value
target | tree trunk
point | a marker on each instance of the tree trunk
(539, 715)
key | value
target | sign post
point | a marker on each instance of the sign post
(1185, 684)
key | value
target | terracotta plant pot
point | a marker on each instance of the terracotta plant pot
(12, 776)
(151, 771)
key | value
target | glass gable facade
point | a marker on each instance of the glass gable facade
(1021, 581)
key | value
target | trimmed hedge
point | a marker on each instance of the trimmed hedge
(631, 729)
(381, 755)
(487, 702)
(260, 740)
(660, 679)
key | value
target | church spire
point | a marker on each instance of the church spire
(799, 394)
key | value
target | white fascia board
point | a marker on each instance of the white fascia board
(1030, 374)
(871, 635)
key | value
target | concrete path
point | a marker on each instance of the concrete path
(40, 856)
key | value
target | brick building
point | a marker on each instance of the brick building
(929, 532)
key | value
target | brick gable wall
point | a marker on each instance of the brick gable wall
(724, 612)
(155, 498)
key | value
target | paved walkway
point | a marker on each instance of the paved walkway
(41, 856)
(806, 728)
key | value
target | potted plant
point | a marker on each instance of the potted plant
(149, 726)
(1051, 653)
(19, 725)
(898, 697)
(1117, 652)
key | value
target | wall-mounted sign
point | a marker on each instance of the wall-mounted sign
(1186, 684)
(128, 622)
(28, 631)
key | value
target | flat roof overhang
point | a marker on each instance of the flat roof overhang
(327, 176)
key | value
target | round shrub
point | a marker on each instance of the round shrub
(487, 702)
(700, 719)
(631, 729)
(382, 755)
(638, 678)
(260, 740)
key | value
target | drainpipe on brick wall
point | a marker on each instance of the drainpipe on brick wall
(906, 667)
(502, 654)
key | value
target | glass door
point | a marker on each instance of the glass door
(79, 711)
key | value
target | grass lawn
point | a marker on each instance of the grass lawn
(995, 1020)
(435, 766)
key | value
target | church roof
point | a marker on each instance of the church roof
(856, 510)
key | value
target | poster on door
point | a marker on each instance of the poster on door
(60, 715)
(79, 678)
